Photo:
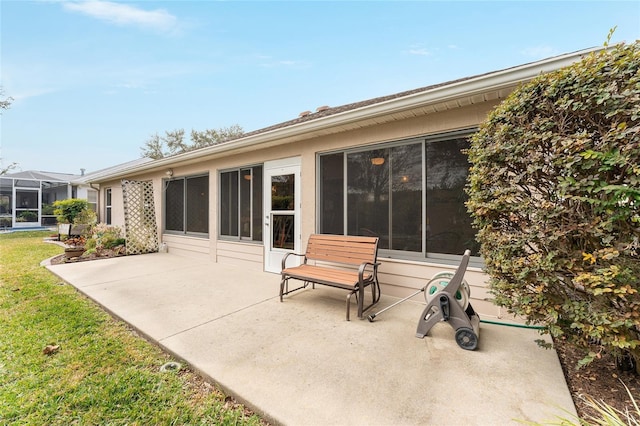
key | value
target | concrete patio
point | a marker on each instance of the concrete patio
(300, 363)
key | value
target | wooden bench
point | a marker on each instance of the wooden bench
(347, 251)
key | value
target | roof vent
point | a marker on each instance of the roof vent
(304, 113)
(322, 108)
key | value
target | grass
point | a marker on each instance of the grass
(102, 373)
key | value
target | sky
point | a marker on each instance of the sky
(92, 81)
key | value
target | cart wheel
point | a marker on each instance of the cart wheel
(466, 338)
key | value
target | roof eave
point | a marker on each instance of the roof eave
(474, 86)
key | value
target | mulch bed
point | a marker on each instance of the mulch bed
(104, 254)
(601, 381)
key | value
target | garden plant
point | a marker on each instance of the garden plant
(554, 190)
(70, 210)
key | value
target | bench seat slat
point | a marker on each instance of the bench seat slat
(324, 275)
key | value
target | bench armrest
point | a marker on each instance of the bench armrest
(284, 259)
(363, 267)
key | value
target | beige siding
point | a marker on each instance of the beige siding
(402, 278)
(248, 256)
(187, 246)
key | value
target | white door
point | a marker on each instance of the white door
(282, 212)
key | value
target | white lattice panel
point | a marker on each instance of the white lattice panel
(139, 217)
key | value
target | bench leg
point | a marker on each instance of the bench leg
(282, 285)
(359, 293)
(359, 301)
(349, 303)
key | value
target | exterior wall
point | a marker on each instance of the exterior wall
(249, 256)
(89, 194)
(187, 246)
(398, 277)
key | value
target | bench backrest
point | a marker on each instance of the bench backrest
(342, 248)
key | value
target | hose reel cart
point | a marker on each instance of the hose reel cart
(447, 297)
(451, 304)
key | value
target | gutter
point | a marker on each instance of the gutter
(474, 86)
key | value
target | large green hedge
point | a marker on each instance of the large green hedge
(554, 190)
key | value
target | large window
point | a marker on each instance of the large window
(410, 194)
(241, 203)
(186, 205)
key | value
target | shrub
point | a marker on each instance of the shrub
(67, 210)
(86, 217)
(554, 190)
(104, 237)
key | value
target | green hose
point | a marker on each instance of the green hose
(534, 327)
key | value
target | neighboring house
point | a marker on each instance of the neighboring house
(26, 198)
(393, 167)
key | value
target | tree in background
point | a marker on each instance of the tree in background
(554, 190)
(5, 103)
(173, 142)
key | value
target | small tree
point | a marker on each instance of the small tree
(68, 210)
(554, 190)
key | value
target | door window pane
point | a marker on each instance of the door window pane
(26, 199)
(282, 192)
(283, 231)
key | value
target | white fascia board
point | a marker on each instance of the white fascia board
(481, 84)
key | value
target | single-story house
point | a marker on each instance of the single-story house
(393, 167)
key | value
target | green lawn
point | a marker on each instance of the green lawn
(102, 373)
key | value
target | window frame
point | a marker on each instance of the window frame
(108, 204)
(184, 179)
(238, 208)
(92, 199)
(423, 255)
